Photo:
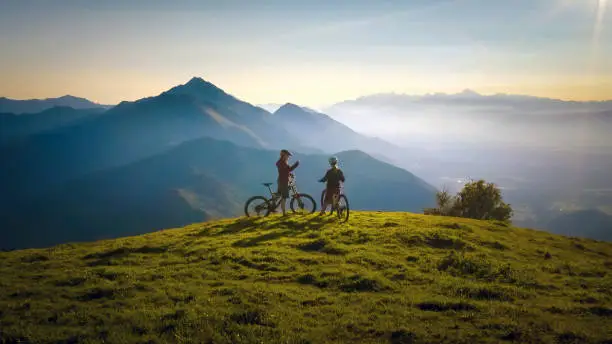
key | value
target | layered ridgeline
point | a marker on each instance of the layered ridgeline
(17, 127)
(132, 131)
(28, 106)
(381, 278)
(195, 181)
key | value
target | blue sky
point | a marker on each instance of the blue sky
(312, 53)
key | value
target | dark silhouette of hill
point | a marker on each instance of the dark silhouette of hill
(14, 126)
(587, 223)
(37, 105)
(195, 181)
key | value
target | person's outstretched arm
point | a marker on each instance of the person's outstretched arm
(324, 179)
(293, 167)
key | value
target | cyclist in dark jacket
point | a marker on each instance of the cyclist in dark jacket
(333, 177)
(284, 171)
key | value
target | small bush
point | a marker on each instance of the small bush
(477, 200)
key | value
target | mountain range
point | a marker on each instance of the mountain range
(469, 97)
(195, 152)
(37, 105)
(134, 130)
(191, 153)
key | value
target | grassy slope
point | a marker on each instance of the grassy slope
(384, 277)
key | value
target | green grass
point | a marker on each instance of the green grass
(381, 278)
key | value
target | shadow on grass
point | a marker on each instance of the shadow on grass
(321, 245)
(291, 222)
(435, 306)
(37, 257)
(97, 293)
(347, 284)
(402, 337)
(252, 317)
(279, 227)
(106, 257)
(250, 242)
(236, 226)
(125, 251)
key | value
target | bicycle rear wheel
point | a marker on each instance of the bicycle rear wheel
(342, 209)
(303, 204)
(257, 206)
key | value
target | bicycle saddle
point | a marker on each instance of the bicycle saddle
(267, 184)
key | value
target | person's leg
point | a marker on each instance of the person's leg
(283, 205)
(284, 191)
(326, 201)
(336, 199)
(323, 207)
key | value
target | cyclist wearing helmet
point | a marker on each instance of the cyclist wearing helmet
(284, 170)
(333, 177)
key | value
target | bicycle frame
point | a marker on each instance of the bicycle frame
(275, 197)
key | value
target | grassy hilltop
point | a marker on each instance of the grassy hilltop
(381, 278)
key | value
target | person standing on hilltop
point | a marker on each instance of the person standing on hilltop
(333, 177)
(284, 171)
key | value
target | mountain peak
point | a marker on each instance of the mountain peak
(198, 87)
(290, 109)
(290, 106)
(468, 92)
(296, 110)
(69, 97)
(198, 81)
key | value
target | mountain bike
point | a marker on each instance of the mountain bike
(265, 206)
(340, 204)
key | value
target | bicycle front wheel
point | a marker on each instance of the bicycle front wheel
(257, 206)
(343, 208)
(303, 204)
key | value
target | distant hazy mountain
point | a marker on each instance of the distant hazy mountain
(470, 118)
(270, 107)
(195, 181)
(37, 105)
(318, 130)
(590, 223)
(20, 126)
(471, 98)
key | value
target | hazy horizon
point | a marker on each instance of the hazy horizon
(313, 54)
(319, 107)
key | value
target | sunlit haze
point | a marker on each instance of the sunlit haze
(313, 53)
